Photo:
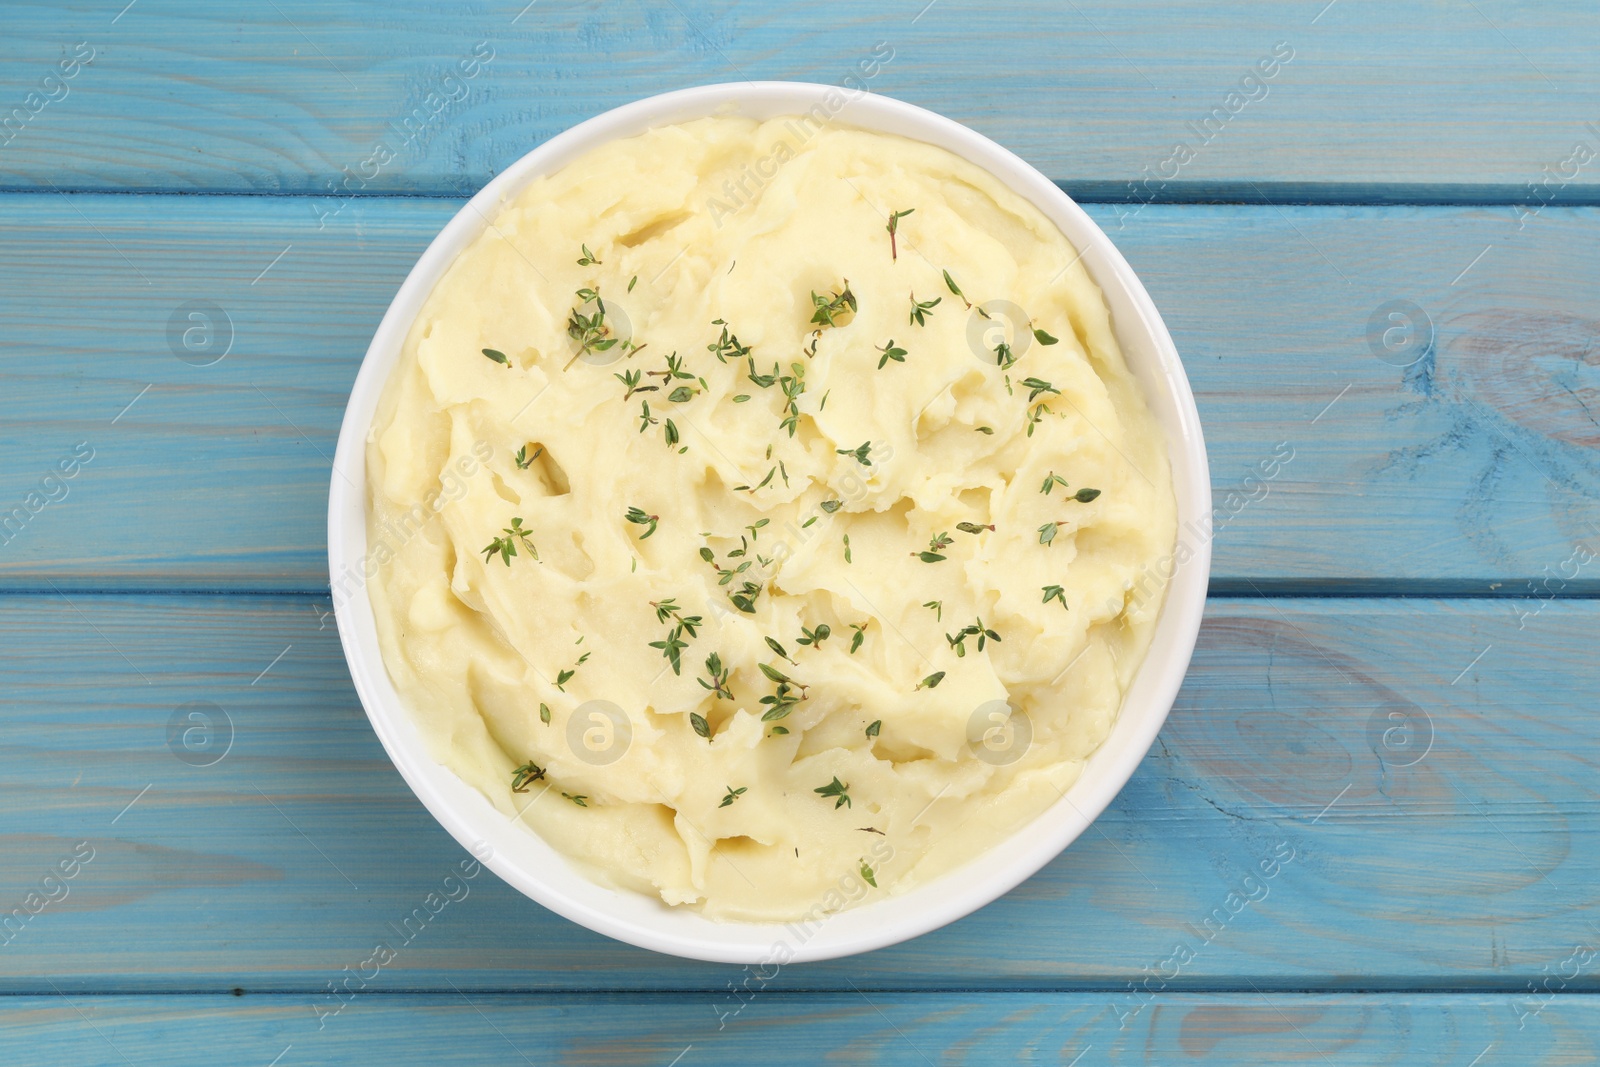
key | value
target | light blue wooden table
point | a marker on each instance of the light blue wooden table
(1381, 261)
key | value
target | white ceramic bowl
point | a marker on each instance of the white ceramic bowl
(518, 855)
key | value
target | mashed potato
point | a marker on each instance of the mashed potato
(728, 546)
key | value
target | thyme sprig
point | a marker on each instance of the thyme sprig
(837, 789)
(861, 453)
(592, 332)
(861, 634)
(716, 679)
(563, 677)
(974, 527)
(732, 795)
(639, 517)
(890, 351)
(524, 461)
(725, 574)
(792, 386)
(1082, 496)
(937, 607)
(936, 546)
(1036, 415)
(1037, 387)
(814, 638)
(922, 310)
(836, 306)
(950, 283)
(893, 227)
(744, 598)
(976, 629)
(505, 546)
(525, 775)
(784, 698)
(669, 428)
(673, 644)
(632, 379)
(1055, 592)
(588, 258)
(727, 346)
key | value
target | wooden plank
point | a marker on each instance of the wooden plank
(284, 97)
(846, 1028)
(1296, 771)
(1473, 470)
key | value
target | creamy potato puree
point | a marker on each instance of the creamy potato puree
(688, 519)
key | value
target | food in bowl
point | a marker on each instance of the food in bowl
(758, 504)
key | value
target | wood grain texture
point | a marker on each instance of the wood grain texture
(1401, 793)
(840, 1028)
(1476, 468)
(1425, 101)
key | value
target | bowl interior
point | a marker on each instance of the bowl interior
(519, 855)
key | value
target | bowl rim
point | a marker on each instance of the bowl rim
(503, 845)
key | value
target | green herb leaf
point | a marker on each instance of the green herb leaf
(1083, 496)
(588, 258)
(922, 310)
(893, 227)
(973, 527)
(1055, 592)
(861, 633)
(718, 678)
(1036, 386)
(525, 775)
(732, 795)
(497, 356)
(1047, 532)
(831, 506)
(744, 598)
(874, 727)
(580, 799)
(867, 875)
(838, 789)
(936, 545)
(891, 351)
(544, 713)
(831, 309)
(815, 637)
(505, 546)
(638, 517)
(1042, 337)
(937, 607)
(861, 453)
(727, 346)
(701, 727)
